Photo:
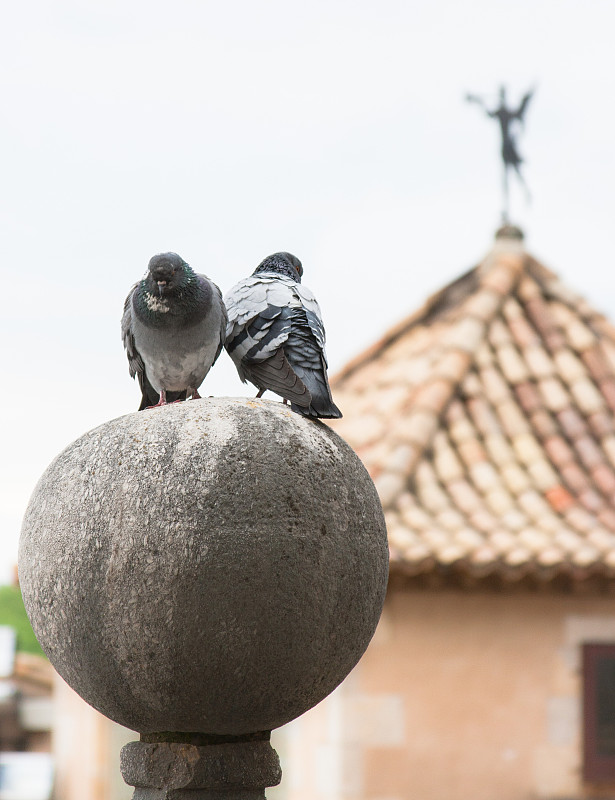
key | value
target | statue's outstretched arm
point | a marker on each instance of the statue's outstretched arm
(474, 98)
(523, 105)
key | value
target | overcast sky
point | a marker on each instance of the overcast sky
(336, 129)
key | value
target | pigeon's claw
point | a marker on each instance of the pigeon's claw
(162, 401)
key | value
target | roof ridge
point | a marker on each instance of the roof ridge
(436, 304)
(497, 276)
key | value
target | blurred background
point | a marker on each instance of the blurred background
(336, 130)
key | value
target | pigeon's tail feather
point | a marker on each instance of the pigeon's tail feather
(321, 405)
(330, 411)
(277, 375)
(150, 395)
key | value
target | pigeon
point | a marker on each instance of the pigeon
(173, 330)
(276, 338)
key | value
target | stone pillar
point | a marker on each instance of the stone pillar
(166, 767)
(203, 573)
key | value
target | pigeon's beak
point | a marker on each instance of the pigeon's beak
(161, 287)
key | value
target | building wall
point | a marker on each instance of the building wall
(490, 688)
(86, 748)
(463, 696)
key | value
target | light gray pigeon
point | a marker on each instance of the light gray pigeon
(276, 337)
(173, 330)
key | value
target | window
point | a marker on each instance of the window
(599, 713)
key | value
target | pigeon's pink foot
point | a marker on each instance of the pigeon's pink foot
(162, 401)
(196, 395)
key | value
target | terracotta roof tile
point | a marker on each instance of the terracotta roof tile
(579, 335)
(543, 475)
(482, 520)
(451, 520)
(452, 366)
(587, 397)
(590, 454)
(591, 500)
(514, 422)
(494, 384)
(534, 539)
(607, 387)
(515, 520)
(569, 366)
(389, 485)
(553, 394)
(483, 305)
(559, 451)
(540, 363)
(487, 421)
(433, 394)
(499, 450)
(571, 422)
(503, 540)
(543, 424)
(511, 363)
(522, 332)
(574, 478)
(404, 458)
(418, 427)
(608, 348)
(601, 423)
(527, 448)
(604, 478)
(499, 501)
(608, 445)
(596, 362)
(464, 496)
(528, 396)
(516, 479)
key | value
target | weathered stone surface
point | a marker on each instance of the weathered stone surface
(173, 766)
(217, 565)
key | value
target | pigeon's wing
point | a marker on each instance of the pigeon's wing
(305, 350)
(217, 298)
(305, 355)
(259, 317)
(261, 313)
(314, 317)
(135, 362)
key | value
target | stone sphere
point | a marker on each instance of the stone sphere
(213, 566)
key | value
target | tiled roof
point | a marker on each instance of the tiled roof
(487, 421)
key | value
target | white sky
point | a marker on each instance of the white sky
(226, 131)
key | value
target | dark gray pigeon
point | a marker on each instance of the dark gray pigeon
(276, 337)
(173, 330)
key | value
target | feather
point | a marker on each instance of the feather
(173, 329)
(276, 337)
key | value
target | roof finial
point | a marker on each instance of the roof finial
(510, 155)
(508, 231)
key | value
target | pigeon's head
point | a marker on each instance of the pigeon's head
(167, 272)
(282, 263)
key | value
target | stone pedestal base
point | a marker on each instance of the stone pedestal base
(183, 770)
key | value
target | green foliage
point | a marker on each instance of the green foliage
(13, 613)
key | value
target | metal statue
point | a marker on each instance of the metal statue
(510, 155)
